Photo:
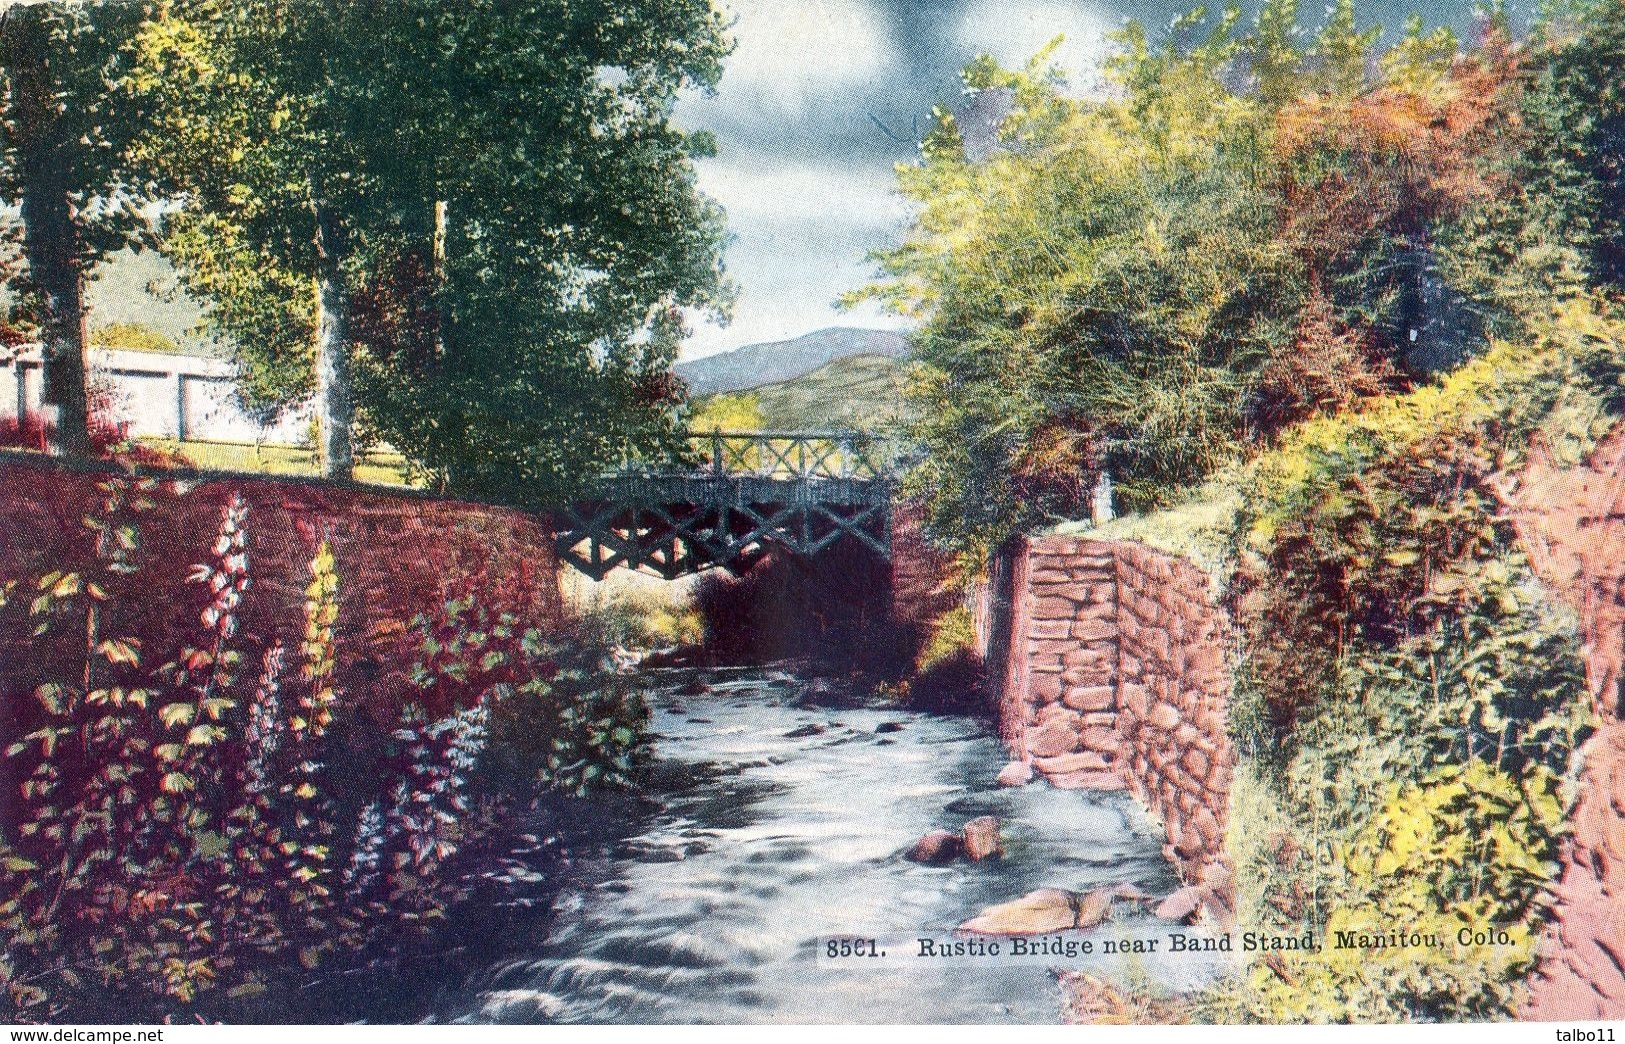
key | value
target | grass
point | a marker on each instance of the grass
(380, 468)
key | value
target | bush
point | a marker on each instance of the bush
(1410, 696)
(561, 716)
(210, 813)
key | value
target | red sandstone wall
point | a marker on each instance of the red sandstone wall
(1115, 678)
(1572, 524)
(920, 595)
(397, 555)
(1173, 694)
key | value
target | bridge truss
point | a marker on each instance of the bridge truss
(732, 499)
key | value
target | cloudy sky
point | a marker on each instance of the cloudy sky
(822, 97)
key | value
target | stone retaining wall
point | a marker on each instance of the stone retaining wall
(1571, 522)
(1110, 674)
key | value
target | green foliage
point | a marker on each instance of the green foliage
(561, 715)
(952, 634)
(1086, 300)
(1156, 283)
(195, 813)
(134, 337)
(642, 617)
(1408, 690)
(512, 287)
(731, 411)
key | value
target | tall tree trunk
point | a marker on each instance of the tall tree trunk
(335, 404)
(51, 242)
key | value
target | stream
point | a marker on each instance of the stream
(781, 820)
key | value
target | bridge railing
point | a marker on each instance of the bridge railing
(777, 455)
(791, 454)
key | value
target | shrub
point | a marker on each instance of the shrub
(561, 716)
(210, 811)
(1410, 695)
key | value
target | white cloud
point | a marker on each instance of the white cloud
(847, 197)
(793, 53)
(1013, 32)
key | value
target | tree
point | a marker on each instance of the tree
(503, 222)
(250, 104)
(63, 139)
(1341, 50)
(572, 238)
(1156, 283)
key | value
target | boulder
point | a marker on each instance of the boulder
(804, 732)
(1087, 780)
(1036, 913)
(1015, 774)
(1132, 893)
(1093, 909)
(981, 839)
(939, 846)
(1183, 904)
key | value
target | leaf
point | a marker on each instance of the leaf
(176, 783)
(211, 845)
(120, 650)
(177, 714)
(203, 735)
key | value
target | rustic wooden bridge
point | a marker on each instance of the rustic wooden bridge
(732, 498)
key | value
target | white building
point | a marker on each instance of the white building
(158, 395)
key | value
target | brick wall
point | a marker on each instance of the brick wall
(396, 554)
(1111, 675)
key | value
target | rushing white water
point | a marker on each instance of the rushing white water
(786, 823)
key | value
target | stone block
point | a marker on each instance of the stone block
(1058, 712)
(1053, 738)
(1049, 629)
(1104, 741)
(1136, 698)
(1044, 688)
(1096, 671)
(1073, 591)
(1082, 761)
(1196, 763)
(1206, 826)
(1094, 630)
(1164, 716)
(1090, 697)
(1053, 608)
(1091, 657)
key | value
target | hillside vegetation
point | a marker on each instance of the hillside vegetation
(863, 393)
(1319, 300)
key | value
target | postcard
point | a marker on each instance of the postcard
(744, 512)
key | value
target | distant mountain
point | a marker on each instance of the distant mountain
(862, 393)
(756, 365)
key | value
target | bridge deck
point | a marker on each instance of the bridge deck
(738, 498)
